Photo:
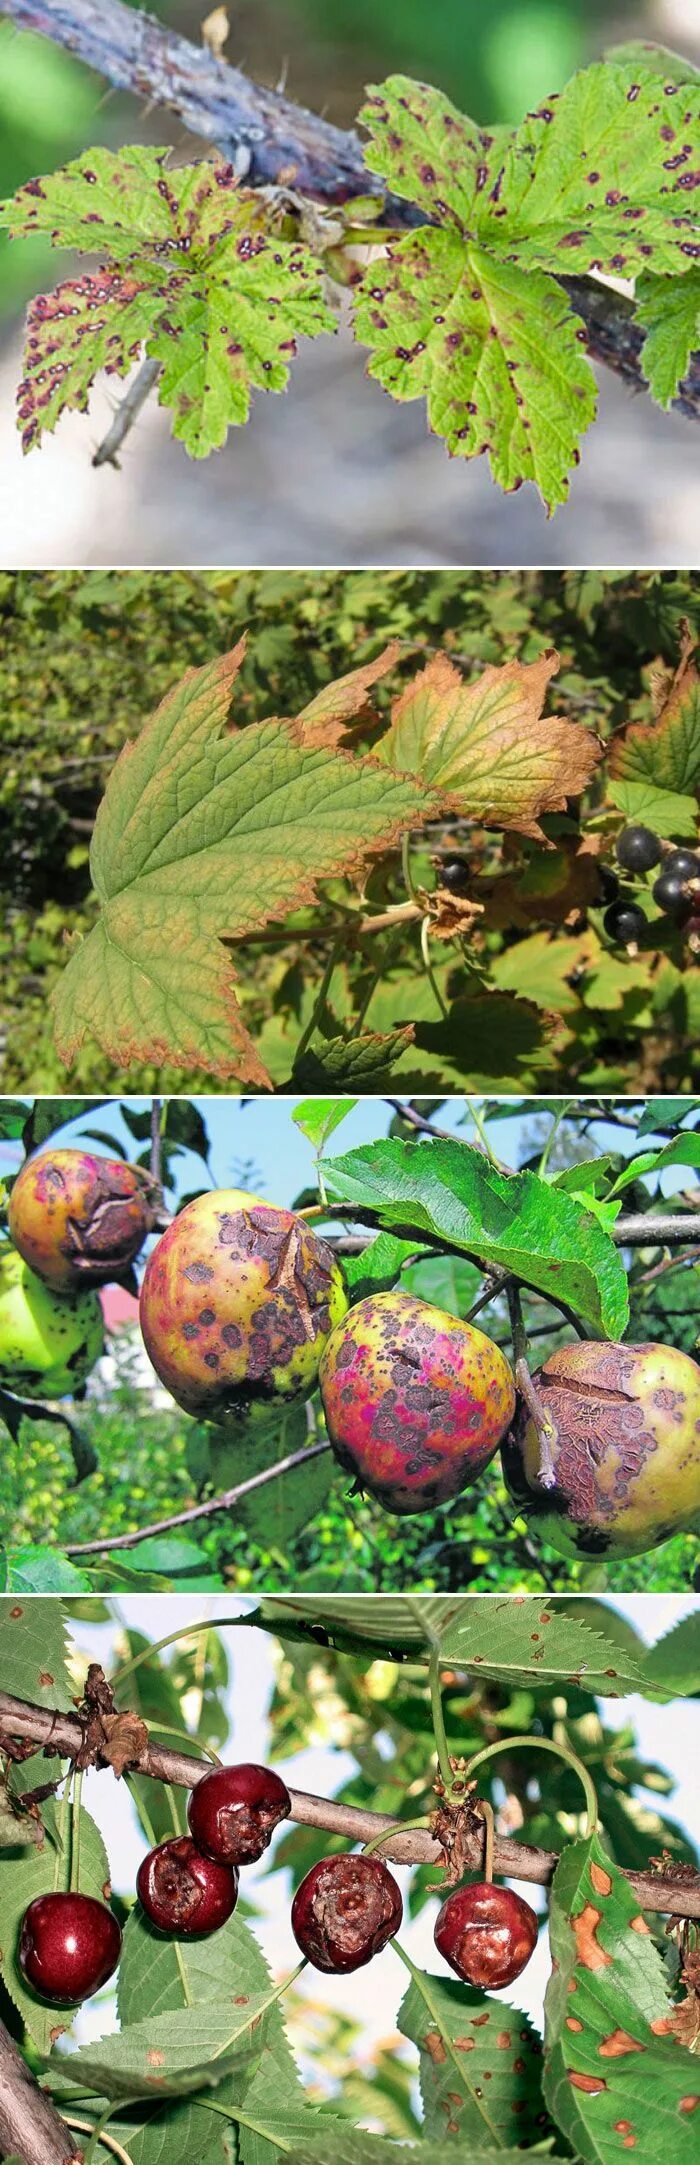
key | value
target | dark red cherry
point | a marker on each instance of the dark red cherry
(344, 1911)
(233, 1812)
(486, 1933)
(69, 1944)
(184, 1893)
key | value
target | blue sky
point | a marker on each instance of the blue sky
(256, 1144)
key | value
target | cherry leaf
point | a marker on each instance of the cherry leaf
(197, 274)
(486, 746)
(206, 833)
(669, 313)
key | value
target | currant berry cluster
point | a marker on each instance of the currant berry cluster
(676, 890)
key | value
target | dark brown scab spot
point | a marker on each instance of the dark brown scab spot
(198, 1273)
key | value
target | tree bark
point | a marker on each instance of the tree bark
(271, 140)
(30, 2126)
(671, 1894)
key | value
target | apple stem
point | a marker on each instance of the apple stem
(546, 1430)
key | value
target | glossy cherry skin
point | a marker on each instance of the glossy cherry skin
(345, 1911)
(69, 1945)
(233, 1812)
(183, 1893)
(487, 1934)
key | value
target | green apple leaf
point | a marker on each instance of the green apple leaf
(669, 313)
(204, 834)
(196, 273)
(614, 2071)
(510, 1221)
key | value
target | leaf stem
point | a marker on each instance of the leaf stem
(482, 1132)
(438, 1713)
(88, 2127)
(398, 1826)
(543, 1744)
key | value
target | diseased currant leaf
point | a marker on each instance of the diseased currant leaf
(196, 274)
(205, 834)
(602, 177)
(346, 700)
(516, 1222)
(486, 746)
(497, 353)
(636, 53)
(669, 313)
(666, 752)
(614, 2074)
(464, 312)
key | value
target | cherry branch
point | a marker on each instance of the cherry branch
(671, 1892)
(273, 141)
(30, 2127)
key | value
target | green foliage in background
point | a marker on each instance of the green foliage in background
(83, 660)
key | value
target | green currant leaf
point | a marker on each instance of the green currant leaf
(205, 833)
(664, 810)
(196, 274)
(613, 2068)
(666, 752)
(669, 313)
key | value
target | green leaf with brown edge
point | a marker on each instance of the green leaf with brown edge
(359, 1063)
(666, 751)
(669, 314)
(480, 2066)
(486, 746)
(206, 833)
(615, 2076)
(510, 1221)
(196, 273)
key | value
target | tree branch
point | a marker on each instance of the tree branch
(185, 1517)
(30, 2126)
(272, 140)
(63, 1733)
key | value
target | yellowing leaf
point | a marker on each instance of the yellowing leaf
(327, 716)
(204, 835)
(486, 747)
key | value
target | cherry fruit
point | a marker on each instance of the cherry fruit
(184, 1893)
(637, 849)
(486, 1933)
(233, 1812)
(69, 1945)
(345, 1911)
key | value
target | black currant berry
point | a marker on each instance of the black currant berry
(683, 864)
(671, 894)
(454, 872)
(624, 923)
(637, 849)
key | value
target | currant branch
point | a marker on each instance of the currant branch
(665, 1893)
(272, 140)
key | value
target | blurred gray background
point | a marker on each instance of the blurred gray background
(333, 472)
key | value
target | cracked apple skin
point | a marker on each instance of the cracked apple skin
(78, 1219)
(626, 1454)
(416, 1402)
(49, 1342)
(237, 1302)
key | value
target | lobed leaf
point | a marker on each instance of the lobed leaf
(197, 274)
(666, 752)
(485, 745)
(669, 314)
(496, 352)
(664, 810)
(205, 834)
